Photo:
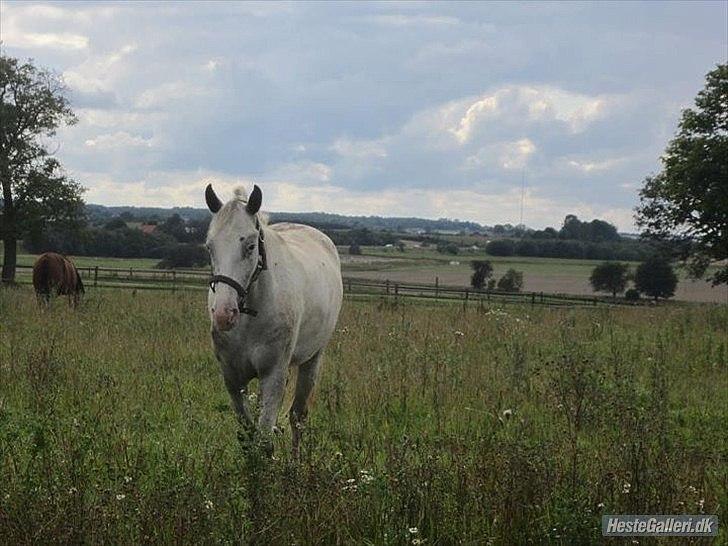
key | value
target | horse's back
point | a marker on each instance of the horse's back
(313, 278)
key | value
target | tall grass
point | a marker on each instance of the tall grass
(431, 425)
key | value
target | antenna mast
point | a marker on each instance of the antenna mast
(523, 193)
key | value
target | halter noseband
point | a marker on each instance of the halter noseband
(262, 265)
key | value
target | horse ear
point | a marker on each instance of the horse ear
(213, 203)
(254, 201)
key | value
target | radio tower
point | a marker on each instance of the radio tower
(523, 193)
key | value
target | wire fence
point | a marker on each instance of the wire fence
(195, 279)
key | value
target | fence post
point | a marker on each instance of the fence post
(96, 276)
(387, 286)
(130, 273)
(467, 297)
(437, 287)
(174, 280)
(533, 298)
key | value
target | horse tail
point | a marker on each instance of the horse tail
(41, 276)
(79, 283)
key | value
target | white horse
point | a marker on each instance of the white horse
(274, 300)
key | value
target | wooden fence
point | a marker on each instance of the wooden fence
(191, 279)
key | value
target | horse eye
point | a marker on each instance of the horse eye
(251, 246)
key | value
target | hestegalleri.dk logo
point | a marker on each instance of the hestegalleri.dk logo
(659, 525)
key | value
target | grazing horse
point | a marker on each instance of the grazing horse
(274, 299)
(51, 272)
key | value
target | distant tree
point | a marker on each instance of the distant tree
(632, 294)
(482, 269)
(354, 249)
(176, 227)
(447, 248)
(687, 202)
(36, 195)
(609, 277)
(512, 281)
(115, 223)
(184, 255)
(656, 278)
(491, 284)
(500, 247)
(400, 246)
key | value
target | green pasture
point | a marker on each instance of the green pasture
(431, 425)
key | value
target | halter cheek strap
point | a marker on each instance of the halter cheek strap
(242, 292)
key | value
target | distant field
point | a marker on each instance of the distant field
(91, 261)
(551, 275)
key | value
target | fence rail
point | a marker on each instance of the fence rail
(191, 279)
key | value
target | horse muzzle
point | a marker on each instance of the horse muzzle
(225, 318)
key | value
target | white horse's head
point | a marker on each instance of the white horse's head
(232, 241)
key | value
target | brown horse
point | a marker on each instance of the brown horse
(53, 272)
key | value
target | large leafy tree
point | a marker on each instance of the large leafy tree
(656, 278)
(610, 277)
(687, 202)
(36, 194)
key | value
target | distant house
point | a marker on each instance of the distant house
(148, 228)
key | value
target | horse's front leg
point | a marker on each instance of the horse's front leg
(272, 388)
(236, 383)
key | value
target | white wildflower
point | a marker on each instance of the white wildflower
(413, 530)
(209, 505)
(120, 496)
(626, 487)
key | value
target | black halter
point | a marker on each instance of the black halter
(262, 265)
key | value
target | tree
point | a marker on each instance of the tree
(500, 247)
(446, 247)
(656, 278)
(687, 202)
(512, 281)
(482, 269)
(609, 277)
(35, 193)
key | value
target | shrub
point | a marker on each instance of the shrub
(482, 269)
(512, 281)
(632, 294)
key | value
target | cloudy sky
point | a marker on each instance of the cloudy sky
(422, 109)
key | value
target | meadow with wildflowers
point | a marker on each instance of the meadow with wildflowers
(432, 424)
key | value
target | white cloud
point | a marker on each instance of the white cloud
(161, 95)
(528, 104)
(62, 40)
(119, 139)
(506, 155)
(359, 148)
(99, 72)
(401, 20)
(593, 166)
